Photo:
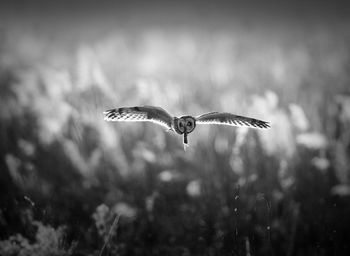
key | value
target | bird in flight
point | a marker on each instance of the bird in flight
(182, 125)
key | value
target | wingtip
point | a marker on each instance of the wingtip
(106, 115)
(264, 125)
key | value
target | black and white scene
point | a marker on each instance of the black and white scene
(174, 128)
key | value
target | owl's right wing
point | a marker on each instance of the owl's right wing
(230, 119)
(140, 114)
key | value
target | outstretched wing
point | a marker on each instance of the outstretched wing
(230, 119)
(140, 114)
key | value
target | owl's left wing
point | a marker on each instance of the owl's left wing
(140, 114)
(230, 119)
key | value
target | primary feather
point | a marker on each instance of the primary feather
(230, 119)
(140, 114)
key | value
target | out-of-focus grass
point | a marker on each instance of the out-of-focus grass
(276, 191)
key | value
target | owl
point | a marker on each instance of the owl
(183, 125)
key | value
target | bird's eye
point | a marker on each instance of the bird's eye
(181, 125)
(189, 123)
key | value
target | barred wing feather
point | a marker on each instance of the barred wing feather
(140, 114)
(230, 119)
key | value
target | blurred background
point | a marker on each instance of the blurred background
(66, 173)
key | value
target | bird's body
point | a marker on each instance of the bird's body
(182, 125)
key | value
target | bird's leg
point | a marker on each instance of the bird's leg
(185, 140)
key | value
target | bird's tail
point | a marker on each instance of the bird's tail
(185, 141)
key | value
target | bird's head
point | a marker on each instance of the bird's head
(184, 124)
